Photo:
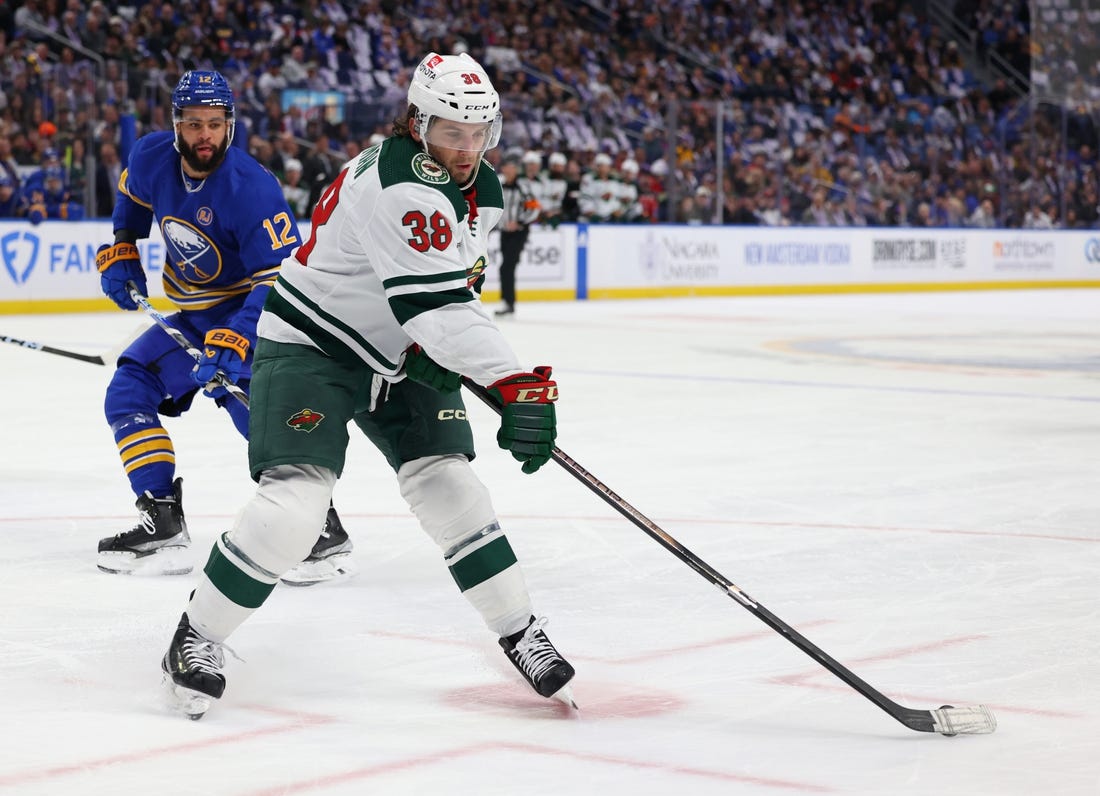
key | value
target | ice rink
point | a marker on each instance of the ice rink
(911, 480)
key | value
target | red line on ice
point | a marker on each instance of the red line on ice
(393, 766)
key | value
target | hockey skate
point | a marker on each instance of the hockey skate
(531, 652)
(330, 558)
(158, 545)
(193, 671)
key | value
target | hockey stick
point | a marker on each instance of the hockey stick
(947, 720)
(219, 377)
(93, 359)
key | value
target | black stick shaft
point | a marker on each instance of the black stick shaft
(914, 719)
(46, 349)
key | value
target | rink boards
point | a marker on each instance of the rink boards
(51, 267)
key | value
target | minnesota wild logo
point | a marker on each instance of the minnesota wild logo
(475, 273)
(428, 170)
(305, 420)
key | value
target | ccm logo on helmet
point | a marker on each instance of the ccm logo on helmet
(451, 414)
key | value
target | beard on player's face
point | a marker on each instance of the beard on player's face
(203, 164)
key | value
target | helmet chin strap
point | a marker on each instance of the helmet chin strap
(473, 176)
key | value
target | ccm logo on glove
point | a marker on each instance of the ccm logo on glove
(528, 425)
(528, 388)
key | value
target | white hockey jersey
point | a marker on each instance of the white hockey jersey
(396, 255)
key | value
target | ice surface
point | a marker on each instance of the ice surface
(912, 481)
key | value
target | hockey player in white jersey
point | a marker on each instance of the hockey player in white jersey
(555, 186)
(372, 320)
(600, 192)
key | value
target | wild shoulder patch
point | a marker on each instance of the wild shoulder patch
(428, 170)
(305, 420)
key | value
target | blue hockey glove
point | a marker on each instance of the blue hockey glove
(119, 263)
(223, 350)
(423, 369)
(528, 425)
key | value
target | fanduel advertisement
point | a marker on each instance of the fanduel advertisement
(56, 259)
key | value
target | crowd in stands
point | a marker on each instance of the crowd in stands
(824, 112)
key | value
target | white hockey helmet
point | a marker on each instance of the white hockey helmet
(456, 88)
(629, 166)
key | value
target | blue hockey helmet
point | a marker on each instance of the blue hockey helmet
(203, 88)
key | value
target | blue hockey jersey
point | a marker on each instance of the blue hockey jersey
(225, 237)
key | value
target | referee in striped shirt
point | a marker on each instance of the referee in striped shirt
(520, 210)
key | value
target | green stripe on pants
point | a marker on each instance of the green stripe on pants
(482, 564)
(235, 584)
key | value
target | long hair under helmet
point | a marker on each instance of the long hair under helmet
(456, 88)
(205, 88)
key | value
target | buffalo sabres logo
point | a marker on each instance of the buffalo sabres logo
(428, 170)
(205, 216)
(194, 256)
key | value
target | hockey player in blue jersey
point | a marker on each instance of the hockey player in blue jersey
(226, 230)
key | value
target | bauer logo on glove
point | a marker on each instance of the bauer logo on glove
(224, 351)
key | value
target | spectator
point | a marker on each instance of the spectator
(107, 175)
(52, 199)
(8, 166)
(77, 169)
(1037, 217)
(739, 210)
(318, 169)
(687, 212)
(272, 81)
(11, 204)
(297, 196)
(807, 97)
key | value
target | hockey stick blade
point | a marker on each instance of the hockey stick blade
(220, 378)
(947, 720)
(976, 720)
(46, 349)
